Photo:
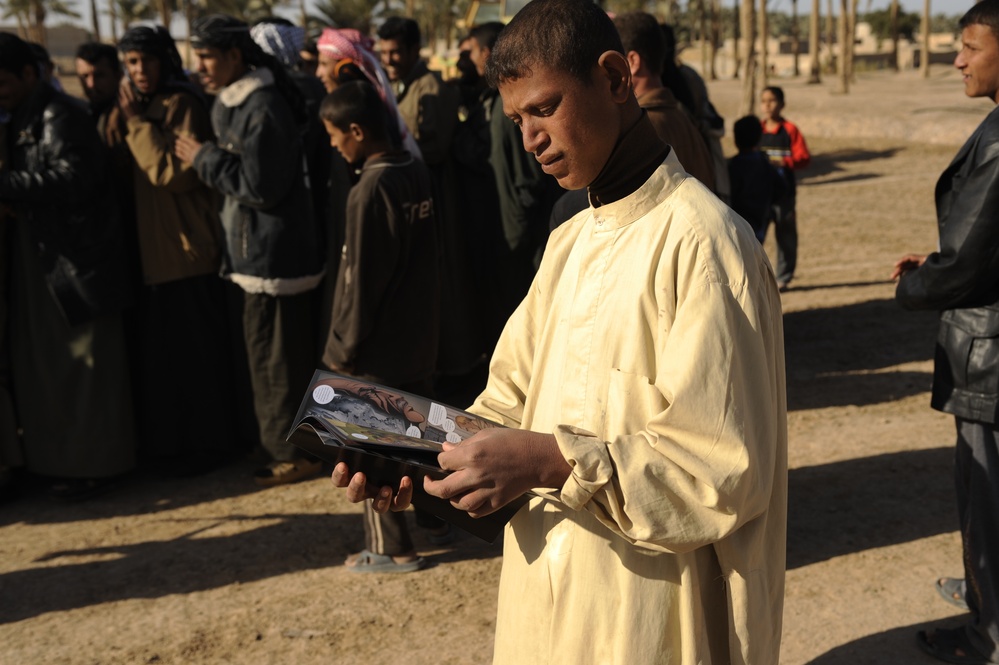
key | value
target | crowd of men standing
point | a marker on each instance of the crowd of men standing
(171, 250)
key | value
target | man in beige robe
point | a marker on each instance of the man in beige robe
(642, 384)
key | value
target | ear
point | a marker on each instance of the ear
(617, 71)
(234, 54)
(634, 62)
(356, 132)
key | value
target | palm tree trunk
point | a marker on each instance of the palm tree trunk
(830, 26)
(814, 73)
(38, 14)
(851, 40)
(924, 60)
(748, 57)
(736, 34)
(96, 20)
(894, 34)
(702, 29)
(795, 42)
(715, 38)
(842, 68)
(764, 44)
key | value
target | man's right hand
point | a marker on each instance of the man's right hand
(907, 263)
(384, 499)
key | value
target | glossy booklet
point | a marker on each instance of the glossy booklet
(388, 434)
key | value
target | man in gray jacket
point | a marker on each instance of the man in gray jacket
(961, 280)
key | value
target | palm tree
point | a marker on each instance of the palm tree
(748, 12)
(841, 68)
(344, 13)
(924, 60)
(814, 74)
(894, 34)
(31, 14)
(130, 11)
(764, 43)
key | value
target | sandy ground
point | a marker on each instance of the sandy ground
(213, 570)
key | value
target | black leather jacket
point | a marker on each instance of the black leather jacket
(961, 280)
(56, 182)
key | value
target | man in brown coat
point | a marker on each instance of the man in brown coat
(645, 49)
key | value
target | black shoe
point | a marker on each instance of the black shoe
(81, 489)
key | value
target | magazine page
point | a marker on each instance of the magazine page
(372, 416)
(387, 434)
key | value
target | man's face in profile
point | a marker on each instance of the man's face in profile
(99, 80)
(570, 127)
(978, 61)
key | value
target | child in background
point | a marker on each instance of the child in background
(755, 183)
(385, 321)
(785, 146)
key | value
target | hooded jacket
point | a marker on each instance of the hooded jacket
(257, 164)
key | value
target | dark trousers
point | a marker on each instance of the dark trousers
(280, 348)
(977, 483)
(786, 234)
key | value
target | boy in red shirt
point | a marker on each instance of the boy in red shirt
(786, 148)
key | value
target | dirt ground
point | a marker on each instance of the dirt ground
(213, 570)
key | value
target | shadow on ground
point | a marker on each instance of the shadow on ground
(836, 356)
(891, 647)
(267, 546)
(828, 163)
(861, 504)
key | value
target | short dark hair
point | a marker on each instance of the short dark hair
(42, 55)
(274, 20)
(94, 52)
(567, 35)
(747, 131)
(356, 102)
(776, 91)
(985, 12)
(15, 55)
(486, 34)
(404, 30)
(641, 33)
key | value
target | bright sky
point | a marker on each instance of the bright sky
(804, 7)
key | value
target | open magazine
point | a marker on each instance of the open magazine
(388, 434)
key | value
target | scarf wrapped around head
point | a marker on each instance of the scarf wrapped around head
(350, 44)
(284, 42)
(157, 42)
(347, 43)
(221, 32)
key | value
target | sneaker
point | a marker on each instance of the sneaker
(283, 473)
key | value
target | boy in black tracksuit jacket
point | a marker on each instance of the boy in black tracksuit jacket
(385, 323)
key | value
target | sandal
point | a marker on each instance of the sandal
(283, 473)
(367, 561)
(952, 590)
(951, 646)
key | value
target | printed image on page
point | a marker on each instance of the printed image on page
(375, 407)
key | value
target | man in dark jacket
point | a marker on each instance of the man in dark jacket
(272, 249)
(961, 280)
(68, 285)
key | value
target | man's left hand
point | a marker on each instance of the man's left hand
(495, 466)
(186, 148)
